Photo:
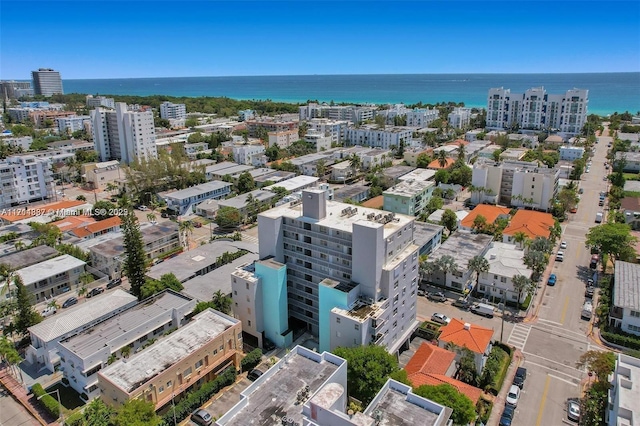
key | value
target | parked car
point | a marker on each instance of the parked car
(437, 297)
(521, 376)
(563, 245)
(462, 303)
(96, 291)
(513, 396)
(70, 302)
(254, 374)
(440, 319)
(114, 283)
(573, 409)
(201, 417)
(49, 310)
(552, 280)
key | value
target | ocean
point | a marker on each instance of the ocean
(608, 92)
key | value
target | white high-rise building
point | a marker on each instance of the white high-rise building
(170, 111)
(123, 135)
(351, 273)
(47, 82)
(537, 110)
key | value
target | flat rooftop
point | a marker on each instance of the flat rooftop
(337, 220)
(187, 264)
(76, 317)
(272, 397)
(152, 313)
(129, 374)
(48, 268)
(28, 257)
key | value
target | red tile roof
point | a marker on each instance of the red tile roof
(533, 223)
(491, 213)
(429, 366)
(475, 338)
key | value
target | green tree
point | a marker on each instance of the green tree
(27, 315)
(478, 264)
(246, 183)
(445, 394)
(228, 217)
(135, 265)
(612, 239)
(449, 220)
(368, 368)
(136, 412)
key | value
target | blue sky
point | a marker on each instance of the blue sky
(117, 39)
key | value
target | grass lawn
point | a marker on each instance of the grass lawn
(69, 398)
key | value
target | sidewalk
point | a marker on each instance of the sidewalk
(19, 393)
(499, 401)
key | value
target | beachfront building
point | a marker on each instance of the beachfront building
(91, 350)
(351, 259)
(47, 82)
(536, 109)
(194, 354)
(123, 135)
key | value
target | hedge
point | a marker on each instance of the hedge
(495, 370)
(621, 339)
(49, 403)
(195, 399)
(252, 359)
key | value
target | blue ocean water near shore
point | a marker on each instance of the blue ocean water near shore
(608, 92)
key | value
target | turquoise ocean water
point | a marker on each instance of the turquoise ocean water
(608, 92)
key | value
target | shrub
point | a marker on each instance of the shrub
(252, 359)
(195, 399)
(49, 403)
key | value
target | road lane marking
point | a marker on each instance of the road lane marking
(544, 400)
(564, 310)
(546, 367)
(563, 380)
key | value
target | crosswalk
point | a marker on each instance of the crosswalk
(519, 335)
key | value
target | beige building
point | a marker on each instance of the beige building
(190, 356)
(99, 175)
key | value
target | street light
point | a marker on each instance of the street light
(57, 392)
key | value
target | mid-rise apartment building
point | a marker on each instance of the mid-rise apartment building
(123, 135)
(173, 111)
(514, 183)
(47, 82)
(368, 257)
(189, 357)
(371, 135)
(100, 101)
(24, 178)
(537, 110)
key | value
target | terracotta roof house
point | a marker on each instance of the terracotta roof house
(531, 222)
(489, 212)
(433, 366)
(435, 164)
(463, 334)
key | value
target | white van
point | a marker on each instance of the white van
(587, 310)
(599, 217)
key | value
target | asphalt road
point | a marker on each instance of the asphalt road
(553, 342)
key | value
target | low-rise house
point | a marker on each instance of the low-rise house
(408, 197)
(625, 303)
(52, 277)
(505, 262)
(46, 336)
(184, 200)
(433, 366)
(624, 392)
(489, 212)
(459, 334)
(194, 354)
(159, 239)
(88, 352)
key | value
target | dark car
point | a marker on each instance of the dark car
(114, 283)
(96, 291)
(201, 417)
(437, 297)
(70, 302)
(254, 374)
(521, 376)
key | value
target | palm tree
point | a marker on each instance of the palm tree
(186, 229)
(442, 158)
(446, 264)
(520, 238)
(520, 284)
(478, 264)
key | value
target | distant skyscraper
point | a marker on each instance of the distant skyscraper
(47, 82)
